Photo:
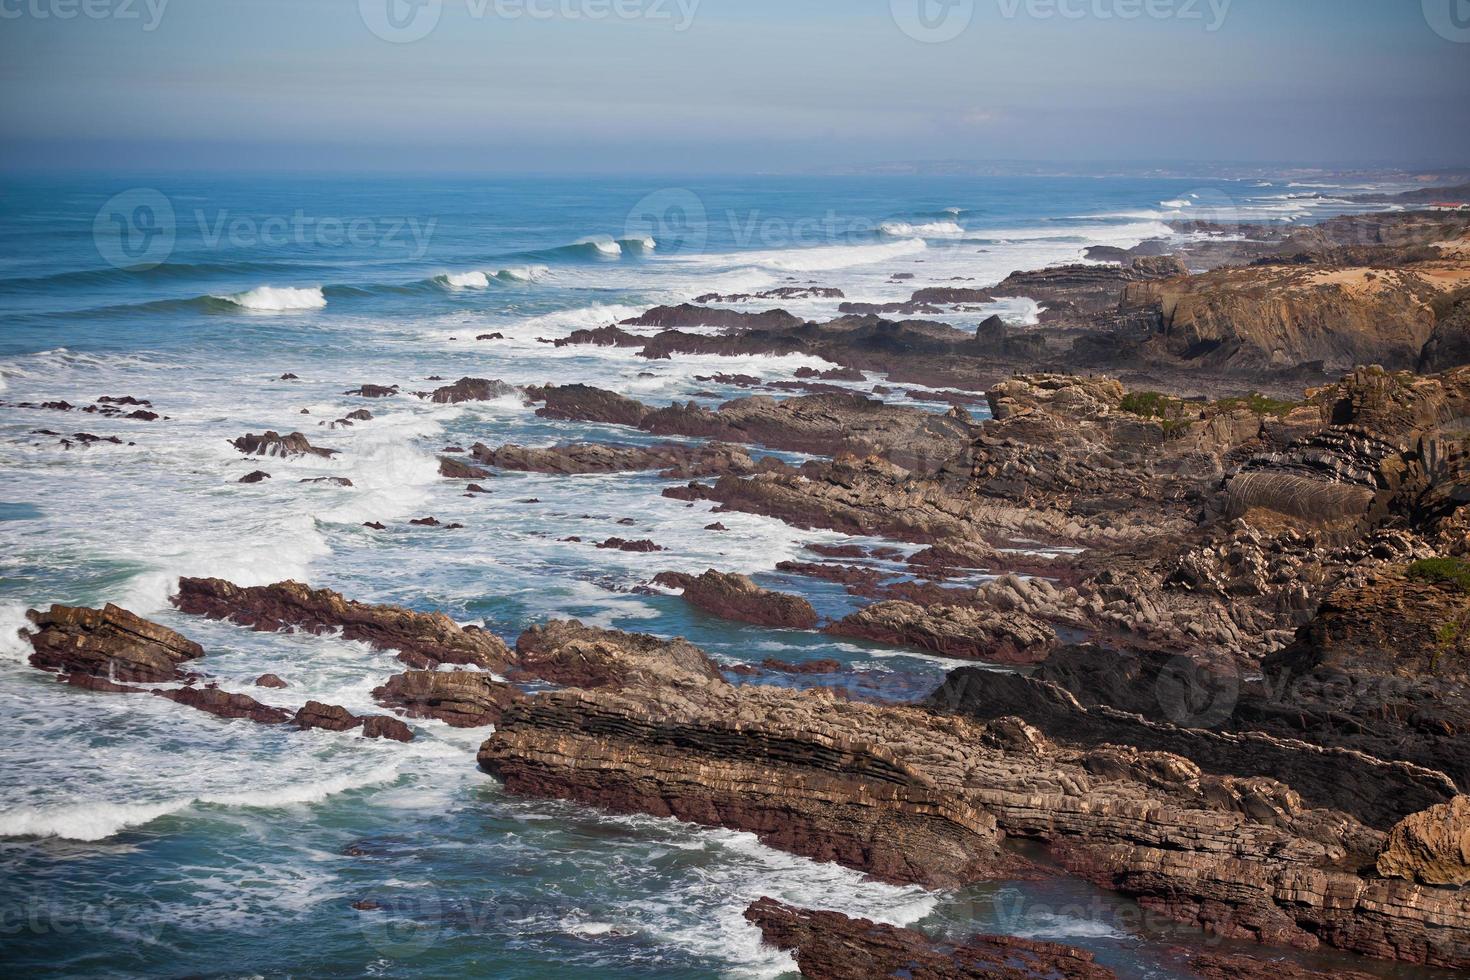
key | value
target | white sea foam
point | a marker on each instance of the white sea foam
(99, 820)
(933, 229)
(524, 273)
(465, 280)
(277, 299)
(826, 258)
(604, 246)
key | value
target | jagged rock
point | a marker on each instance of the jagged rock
(454, 469)
(1432, 847)
(373, 391)
(473, 390)
(676, 461)
(331, 481)
(642, 546)
(330, 717)
(897, 792)
(461, 699)
(216, 702)
(688, 315)
(259, 476)
(737, 597)
(423, 640)
(109, 643)
(381, 726)
(832, 946)
(271, 681)
(954, 631)
(275, 444)
(566, 652)
(824, 424)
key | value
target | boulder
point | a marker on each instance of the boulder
(275, 444)
(737, 597)
(109, 642)
(1432, 847)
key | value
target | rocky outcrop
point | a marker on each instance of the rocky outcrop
(328, 717)
(756, 761)
(422, 640)
(457, 469)
(108, 643)
(1432, 847)
(1088, 288)
(902, 793)
(953, 631)
(737, 597)
(275, 444)
(568, 653)
(689, 315)
(1281, 317)
(270, 681)
(824, 424)
(472, 390)
(584, 403)
(381, 726)
(1448, 345)
(460, 699)
(675, 461)
(212, 700)
(832, 946)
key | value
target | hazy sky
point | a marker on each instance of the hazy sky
(727, 85)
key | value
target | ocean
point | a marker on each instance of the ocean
(140, 838)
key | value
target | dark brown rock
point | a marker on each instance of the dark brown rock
(461, 699)
(216, 702)
(330, 717)
(381, 726)
(271, 681)
(832, 946)
(109, 642)
(737, 597)
(421, 639)
(275, 444)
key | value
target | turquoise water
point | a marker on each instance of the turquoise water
(137, 837)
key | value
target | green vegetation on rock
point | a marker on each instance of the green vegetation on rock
(1445, 571)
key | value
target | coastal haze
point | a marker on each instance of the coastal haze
(684, 488)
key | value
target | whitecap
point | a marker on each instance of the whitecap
(276, 299)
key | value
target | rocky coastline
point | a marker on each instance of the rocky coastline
(1208, 545)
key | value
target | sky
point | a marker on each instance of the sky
(727, 86)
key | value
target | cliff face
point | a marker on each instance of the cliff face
(1282, 317)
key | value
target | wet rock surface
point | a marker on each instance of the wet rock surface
(108, 643)
(421, 639)
(832, 946)
(737, 597)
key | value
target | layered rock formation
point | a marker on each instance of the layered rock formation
(422, 640)
(109, 643)
(823, 424)
(461, 699)
(831, 946)
(737, 597)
